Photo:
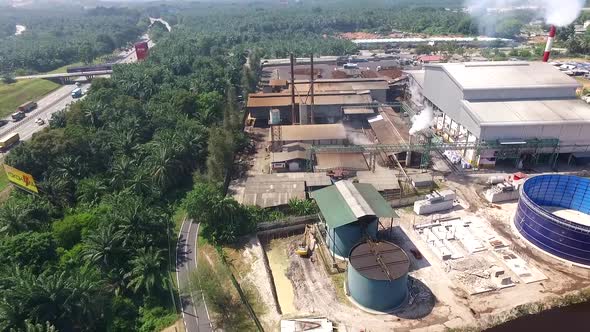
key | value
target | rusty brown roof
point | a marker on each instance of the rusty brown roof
(312, 132)
(331, 98)
(345, 161)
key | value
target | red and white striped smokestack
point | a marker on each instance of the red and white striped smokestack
(549, 45)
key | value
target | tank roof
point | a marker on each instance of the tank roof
(379, 260)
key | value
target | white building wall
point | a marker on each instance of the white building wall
(511, 93)
(443, 92)
(567, 133)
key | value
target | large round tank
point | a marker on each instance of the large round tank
(552, 214)
(341, 239)
(377, 275)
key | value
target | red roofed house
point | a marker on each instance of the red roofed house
(430, 58)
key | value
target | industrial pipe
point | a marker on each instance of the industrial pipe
(549, 44)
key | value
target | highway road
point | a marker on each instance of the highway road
(194, 309)
(54, 102)
(51, 103)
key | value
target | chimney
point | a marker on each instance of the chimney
(549, 44)
(292, 58)
(312, 90)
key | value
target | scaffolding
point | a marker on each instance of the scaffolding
(506, 149)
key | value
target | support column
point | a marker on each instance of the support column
(409, 152)
(466, 143)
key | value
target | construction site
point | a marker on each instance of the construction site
(431, 186)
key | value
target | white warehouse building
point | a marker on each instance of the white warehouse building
(510, 101)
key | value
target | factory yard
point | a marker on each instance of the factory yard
(429, 218)
(456, 292)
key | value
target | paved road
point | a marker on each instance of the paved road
(53, 102)
(194, 309)
(62, 75)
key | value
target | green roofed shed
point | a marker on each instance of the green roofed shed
(346, 202)
(351, 211)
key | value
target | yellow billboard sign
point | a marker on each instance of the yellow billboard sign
(21, 179)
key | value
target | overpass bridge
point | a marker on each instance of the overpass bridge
(65, 78)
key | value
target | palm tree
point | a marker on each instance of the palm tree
(104, 246)
(68, 300)
(148, 271)
(162, 165)
(90, 191)
(16, 217)
(36, 327)
(70, 167)
(121, 169)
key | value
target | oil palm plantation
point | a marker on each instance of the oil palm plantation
(105, 247)
(148, 271)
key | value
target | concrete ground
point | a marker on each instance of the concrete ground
(441, 300)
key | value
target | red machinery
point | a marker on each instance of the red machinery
(141, 50)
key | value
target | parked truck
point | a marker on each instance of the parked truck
(27, 107)
(77, 93)
(8, 141)
(141, 50)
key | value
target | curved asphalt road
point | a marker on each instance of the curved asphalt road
(194, 309)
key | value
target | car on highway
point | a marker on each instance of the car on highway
(17, 116)
(40, 121)
(3, 123)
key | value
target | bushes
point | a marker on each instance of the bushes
(155, 319)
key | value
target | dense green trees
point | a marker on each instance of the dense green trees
(93, 251)
(65, 35)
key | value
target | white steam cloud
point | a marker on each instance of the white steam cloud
(422, 120)
(556, 12)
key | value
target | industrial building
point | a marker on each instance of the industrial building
(351, 212)
(327, 106)
(377, 87)
(554, 215)
(275, 190)
(505, 102)
(377, 275)
(316, 134)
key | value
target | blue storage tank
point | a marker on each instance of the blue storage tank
(341, 239)
(377, 276)
(566, 239)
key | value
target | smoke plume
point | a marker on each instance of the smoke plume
(422, 120)
(555, 12)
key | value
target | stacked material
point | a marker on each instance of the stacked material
(434, 202)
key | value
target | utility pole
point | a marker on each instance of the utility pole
(292, 89)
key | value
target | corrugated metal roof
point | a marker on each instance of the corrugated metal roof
(358, 110)
(345, 161)
(311, 179)
(313, 132)
(270, 194)
(370, 259)
(286, 156)
(343, 206)
(527, 112)
(381, 180)
(332, 98)
(343, 85)
(505, 74)
(354, 199)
